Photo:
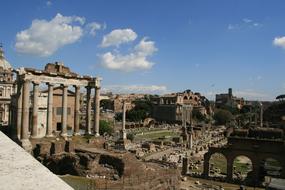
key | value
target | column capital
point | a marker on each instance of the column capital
(77, 86)
(50, 84)
(64, 85)
(36, 82)
(88, 87)
(26, 80)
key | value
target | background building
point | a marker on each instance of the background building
(169, 107)
(228, 100)
(7, 88)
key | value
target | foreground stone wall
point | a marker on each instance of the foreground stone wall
(19, 170)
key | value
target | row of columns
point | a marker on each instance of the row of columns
(23, 110)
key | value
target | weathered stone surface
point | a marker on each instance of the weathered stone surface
(19, 170)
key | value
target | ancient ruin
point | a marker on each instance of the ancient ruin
(257, 144)
(53, 75)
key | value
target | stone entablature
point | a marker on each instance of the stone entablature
(63, 78)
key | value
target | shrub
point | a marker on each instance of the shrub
(222, 117)
(105, 127)
(130, 136)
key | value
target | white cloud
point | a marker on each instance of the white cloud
(246, 23)
(136, 60)
(44, 37)
(147, 89)
(118, 36)
(93, 27)
(246, 20)
(279, 41)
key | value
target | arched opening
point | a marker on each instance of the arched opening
(270, 167)
(218, 165)
(185, 98)
(242, 167)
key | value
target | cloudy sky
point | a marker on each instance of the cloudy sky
(157, 46)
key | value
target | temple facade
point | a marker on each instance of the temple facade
(59, 80)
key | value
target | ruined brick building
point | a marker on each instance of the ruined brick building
(229, 100)
(169, 107)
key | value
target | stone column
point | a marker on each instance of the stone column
(49, 110)
(185, 163)
(25, 108)
(230, 163)
(76, 110)
(124, 135)
(19, 109)
(97, 111)
(261, 115)
(64, 111)
(25, 143)
(88, 110)
(35, 110)
(191, 139)
(206, 169)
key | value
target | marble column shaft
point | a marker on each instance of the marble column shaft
(97, 111)
(88, 110)
(49, 110)
(124, 121)
(76, 110)
(19, 110)
(25, 107)
(64, 111)
(35, 110)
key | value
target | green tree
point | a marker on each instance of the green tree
(197, 115)
(105, 127)
(222, 117)
(107, 104)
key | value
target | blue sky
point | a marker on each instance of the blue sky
(154, 46)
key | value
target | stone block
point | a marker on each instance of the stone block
(69, 146)
(57, 147)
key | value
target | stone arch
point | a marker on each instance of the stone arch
(185, 97)
(218, 165)
(271, 166)
(215, 164)
(242, 168)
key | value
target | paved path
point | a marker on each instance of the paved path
(20, 171)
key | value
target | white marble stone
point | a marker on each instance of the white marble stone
(19, 170)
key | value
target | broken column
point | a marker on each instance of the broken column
(185, 163)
